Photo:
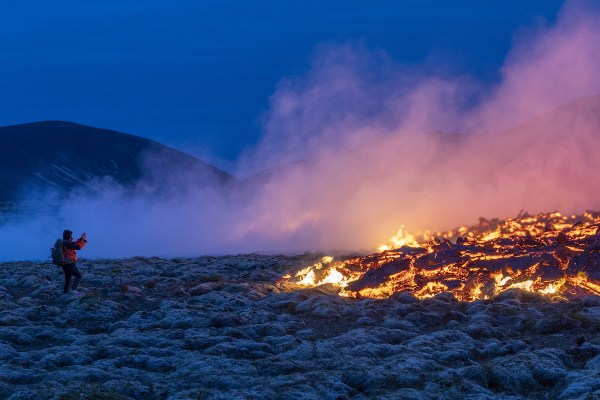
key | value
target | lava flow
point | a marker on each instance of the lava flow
(549, 254)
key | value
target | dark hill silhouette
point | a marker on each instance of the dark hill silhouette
(63, 156)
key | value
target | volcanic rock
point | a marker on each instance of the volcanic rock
(233, 337)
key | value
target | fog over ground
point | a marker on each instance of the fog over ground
(362, 145)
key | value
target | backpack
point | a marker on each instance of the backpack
(56, 253)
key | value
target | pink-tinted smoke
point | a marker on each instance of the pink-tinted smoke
(382, 147)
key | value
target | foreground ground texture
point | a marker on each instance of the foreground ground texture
(223, 327)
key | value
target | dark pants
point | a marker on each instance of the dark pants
(70, 271)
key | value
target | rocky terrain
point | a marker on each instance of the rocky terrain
(227, 327)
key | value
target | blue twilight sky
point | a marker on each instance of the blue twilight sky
(197, 75)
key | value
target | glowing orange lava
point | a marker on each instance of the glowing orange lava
(550, 254)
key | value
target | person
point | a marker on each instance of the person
(70, 267)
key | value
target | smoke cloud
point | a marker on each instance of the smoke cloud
(362, 145)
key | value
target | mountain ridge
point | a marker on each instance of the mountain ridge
(63, 156)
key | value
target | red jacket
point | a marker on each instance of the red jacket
(69, 250)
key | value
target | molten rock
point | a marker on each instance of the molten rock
(549, 254)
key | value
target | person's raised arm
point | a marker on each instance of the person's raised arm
(82, 241)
